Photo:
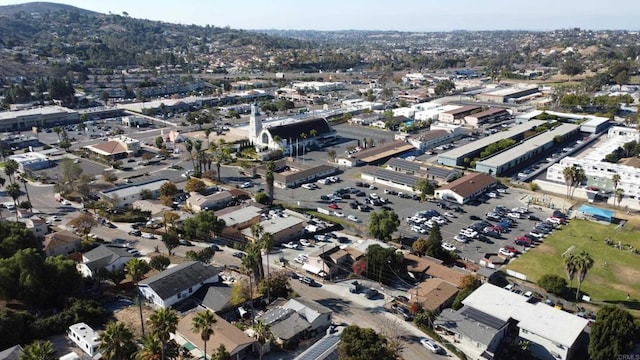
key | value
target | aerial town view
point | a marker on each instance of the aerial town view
(348, 180)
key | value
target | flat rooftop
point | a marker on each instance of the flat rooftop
(509, 91)
(528, 145)
(541, 319)
(46, 110)
(486, 141)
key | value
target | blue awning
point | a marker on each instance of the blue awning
(596, 212)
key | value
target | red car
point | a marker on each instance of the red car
(523, 241)
(334, 206)
(511, 249)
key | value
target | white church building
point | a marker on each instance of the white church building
(288, 134)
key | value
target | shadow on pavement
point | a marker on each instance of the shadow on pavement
(339, 306)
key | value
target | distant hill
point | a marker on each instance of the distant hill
(41, 7)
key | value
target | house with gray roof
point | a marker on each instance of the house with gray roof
(12, 353)
(198, 202)
(177, 283)
(297, 319)
(103, 257)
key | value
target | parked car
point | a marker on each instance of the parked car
(307, 280)
(239, 254)
(353, 218)
(432, 346)
(507, 251)
(305, 242)
(147, 236)
(523, 241)
(184, 242)
(448, 247)
(291, 245)
(135, 232)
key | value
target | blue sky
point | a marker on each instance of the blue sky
(404, 15)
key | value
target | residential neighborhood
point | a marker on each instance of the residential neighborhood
(175, 191)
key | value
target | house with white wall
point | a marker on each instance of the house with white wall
(103, 257)
(177, 283)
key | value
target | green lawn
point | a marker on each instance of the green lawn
(615, 273)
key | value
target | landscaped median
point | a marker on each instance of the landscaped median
(614, 277)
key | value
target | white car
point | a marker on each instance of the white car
(506, 252)
(353, 218)
(470, 233)
(305, 242)
(514, 215)
(290, 245)
(339, 214)
(300, 259)
(147, 236)
(309, 186)
(461, 238)
(536, 234)
(323, 181)
(418, 229)
(66, 202)
(439, 220)
(321, 237)
(450, 214)
(246, 185)
(431, 346)
(448, 247)
(374, 196)
(502, 191)
(492, 195)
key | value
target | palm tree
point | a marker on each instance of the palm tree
(202, 323)
(619, 195)
(567, 174)
(10, 168)
(26, 191)
(256, 231)
(266, 241)
(163, 322)
(207, 132)
(57, 130)
(188, 145)
(584, 263)
(14, 191)
(151, 348)
(615, 179)
(137, 268)
(578, 177)
(38, 350)
(248, 266)
(570, 267)
(116, 342)
(263, 335)
(269, 178)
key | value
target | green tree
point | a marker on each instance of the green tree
(434, 244)
(151, 348)
(425, 187)
(382, 224)
(170, 241)
(358, 343)
(13, 190)
(84, 223)
(163, 322)
(553, 284)
(221, 353)
(202, 225)
(195, 185)
(39, 350)
(614, 333)
(570, 267)
(159, 262)
(137, 269)
(203, 324)
(263, 335)
(383, 261)
(10, 169)
(116, 342)
(168, 189)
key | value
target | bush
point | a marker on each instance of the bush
(553, 284)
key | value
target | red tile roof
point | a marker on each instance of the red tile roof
(470, 184)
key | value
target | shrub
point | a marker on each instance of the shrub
(553, 284)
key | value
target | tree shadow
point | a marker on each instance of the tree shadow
(339, 306)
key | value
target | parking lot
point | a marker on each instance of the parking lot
(407, 207)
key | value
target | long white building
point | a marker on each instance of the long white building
(600, 173)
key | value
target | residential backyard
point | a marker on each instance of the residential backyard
(615, 273)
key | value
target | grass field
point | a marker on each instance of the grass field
(615, 272)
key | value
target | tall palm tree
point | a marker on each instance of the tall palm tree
(619, 195)
(116, 342)
(570, 267)
(256, 231)
(615, 179)
(584, 263)
(14, 191)
(38, 350)
(578, 177)
(10, 169)
(567, 174)
(269, 178)
(207, 132)
(188, 145)
(266, 241)
(26, 191)
(163, 322)
(137, 268)
(203, 323)
(151, 348)
(263, 335)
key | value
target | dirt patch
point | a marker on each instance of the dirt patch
(131, 317)
(626, 275)
(546, 249)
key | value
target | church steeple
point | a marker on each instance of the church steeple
(255, 123)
